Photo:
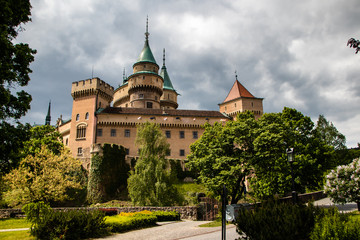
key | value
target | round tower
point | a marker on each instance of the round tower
(145, 85)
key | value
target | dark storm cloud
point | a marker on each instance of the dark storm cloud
(290, 53)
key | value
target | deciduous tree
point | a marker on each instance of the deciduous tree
(44, 177)
(15, 60)
(150, 183)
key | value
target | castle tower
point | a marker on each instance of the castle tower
(239, 100)
(169, 98)
(145, 85)
(89, 96)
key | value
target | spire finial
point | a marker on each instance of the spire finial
(164, 57)
(124, 74)
(147, 29)
(236, 76)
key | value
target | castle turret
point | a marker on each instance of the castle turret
(145, 85)
(169, 97)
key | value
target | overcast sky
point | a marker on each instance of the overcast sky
(291, 53)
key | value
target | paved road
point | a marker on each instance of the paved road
(184, 230)
(326, 202)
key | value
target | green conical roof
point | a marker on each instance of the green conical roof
(146, 54)
(164, 74)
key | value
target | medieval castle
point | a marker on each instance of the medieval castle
(102, 114)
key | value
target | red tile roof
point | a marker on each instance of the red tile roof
(169, 112)
(237, 91)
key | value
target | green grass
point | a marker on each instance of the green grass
(355, 215)
(10, 223)
(24, 235)
(215, 223)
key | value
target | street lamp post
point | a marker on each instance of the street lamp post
(290, 155)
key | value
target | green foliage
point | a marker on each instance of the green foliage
(178, 172)
(108, 174)
(163, 216)
(190, 192)
(276, 133)
(126, 223)
(72, 225)
(335, 226)
(329, 134)
(275, 220)
(224, 154)
(14, 72)
(44, 177)
(151, 183)
(343, 183)
(44, 135)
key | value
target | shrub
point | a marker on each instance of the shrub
(125, 223)
(163, 216)
(275, 220)
(50, 224)
(335, 226)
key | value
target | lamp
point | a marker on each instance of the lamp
(290, 156)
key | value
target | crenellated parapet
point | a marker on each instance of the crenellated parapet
(91, 87)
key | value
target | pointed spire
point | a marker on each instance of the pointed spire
(146, 54)
(236, 76)
(147, 29)
(164, 57)
(48, 117)
(164, 74)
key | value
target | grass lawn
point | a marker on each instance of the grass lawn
(24, 235)
(10, 223)
(355, 215)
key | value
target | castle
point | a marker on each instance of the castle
(102, 114)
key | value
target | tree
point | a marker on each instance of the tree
(44, 177)
(329, 134)
(224, 154)
(343, 183)
(14, 72)
(277, 132)
(44, 135)
(150, 183)
(256, 150)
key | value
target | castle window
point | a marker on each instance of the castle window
(126, 105)
(252, 104)
(195, 135)
(87, 116)
(81, 132)
(127, 133)
(182, 134)
(182, 152)
(66, 141)
(127, 151)
(149, 105)
(77, 117)
(80, 151)
(143, 77)
(168, 134)
(99, 132)
(235, 104)
(113, 132)
(144, 66)
(141, 96)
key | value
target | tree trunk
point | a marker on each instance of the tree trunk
(358, 205)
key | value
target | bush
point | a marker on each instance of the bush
(335, 226)
(163, 216)
(74, 224)
(275, 220)
(125, 223)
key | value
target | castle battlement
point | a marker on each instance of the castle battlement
(91, 86)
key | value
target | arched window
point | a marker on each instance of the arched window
(87, 116)
(81, 131)
(77, 117)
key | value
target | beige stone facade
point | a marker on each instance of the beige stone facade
(102, 114)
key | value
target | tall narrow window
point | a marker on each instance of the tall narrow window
(168, 134)
(77, 117)
(80, 151)
(87, 116)
(182, 134)
(182, 152)
(127, 133)
(99, 132)
(81, 132)
(113, 132)
(195, 135)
